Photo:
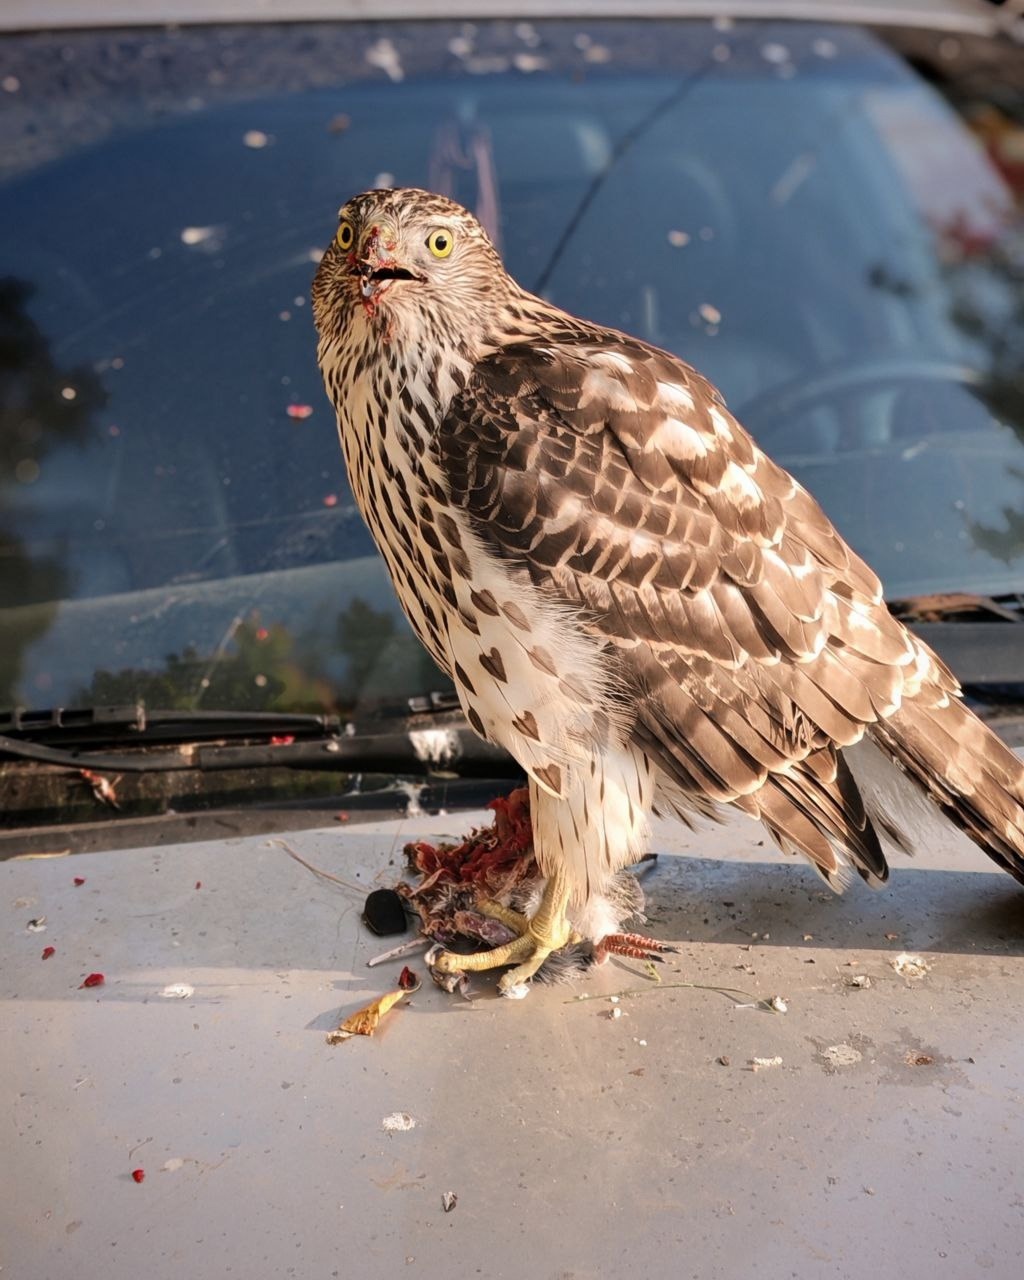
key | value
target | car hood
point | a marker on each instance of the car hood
(575, 1142)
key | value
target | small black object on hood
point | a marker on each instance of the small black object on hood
(384, 913)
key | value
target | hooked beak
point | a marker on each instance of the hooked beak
(375, 264)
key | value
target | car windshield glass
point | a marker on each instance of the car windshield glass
(824, 220)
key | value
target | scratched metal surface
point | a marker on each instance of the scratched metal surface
(886, 1142)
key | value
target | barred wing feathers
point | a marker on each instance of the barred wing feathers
(750, 642)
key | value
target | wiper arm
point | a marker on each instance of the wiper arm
(946, 606)
(974, 634)
(173, 741)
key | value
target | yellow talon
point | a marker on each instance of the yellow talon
(548, 931)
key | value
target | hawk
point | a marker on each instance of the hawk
(630, 597)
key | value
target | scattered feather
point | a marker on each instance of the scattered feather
(396, 953)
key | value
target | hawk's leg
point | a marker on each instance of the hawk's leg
(547, 931)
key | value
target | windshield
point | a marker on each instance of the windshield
(823, 220)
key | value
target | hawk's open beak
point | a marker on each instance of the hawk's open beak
(376, 264)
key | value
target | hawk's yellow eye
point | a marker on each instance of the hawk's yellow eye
(346, 235)
(440, 243)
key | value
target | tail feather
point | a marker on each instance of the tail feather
(965, 769)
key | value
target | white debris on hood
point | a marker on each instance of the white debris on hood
(403, 949)
(398, 1122)
(841, 1055)
(910, 966)
(412, 792)
(383, 55)
(178, 991)
(256, 139)
(434, 746)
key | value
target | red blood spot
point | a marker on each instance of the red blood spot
(93, 980)
(282, 739)
(138, 1175)
(299, 411)
(407, 979)
(79, 879)
(263, 634)
(199, 884)
(331, 500)
(49, 951)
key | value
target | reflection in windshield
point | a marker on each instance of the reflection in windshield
(44, 410)
(831, 232)
(364, 656)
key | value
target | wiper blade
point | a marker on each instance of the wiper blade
(177, 741)
(951, 606)
(104, 725)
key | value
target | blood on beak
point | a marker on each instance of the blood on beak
(376, 266)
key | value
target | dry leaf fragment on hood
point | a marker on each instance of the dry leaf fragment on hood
(364, 1022)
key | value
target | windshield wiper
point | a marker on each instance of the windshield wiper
(943, 606)
(177, 741)
(104, 725)
(974, 634)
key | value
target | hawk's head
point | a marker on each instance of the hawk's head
(405, 260)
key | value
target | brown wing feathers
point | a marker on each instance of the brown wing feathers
(750, 640)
